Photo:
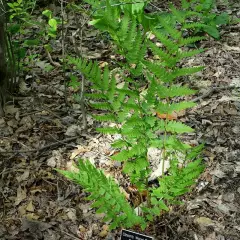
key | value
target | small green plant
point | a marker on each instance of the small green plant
(52, 23)
(134, 114)
(201, 14)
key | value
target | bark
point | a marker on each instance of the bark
(3, 65)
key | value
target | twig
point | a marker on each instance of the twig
(79, 53)
(56, 64)
(211, 91)
(63, 54)
(72, 236)
(52, 145)
(84, 118)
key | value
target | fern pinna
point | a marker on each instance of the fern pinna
(149, 88)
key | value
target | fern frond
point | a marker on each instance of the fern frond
(134, 121)
(169, 108)
(101, 105)
(174, 33)
(137, 165)
(123, 31)
(186, 71)
(173, 91)
(132, 132)
(171, 46)
(131, 106)
(111, 90)
(136, 150)
(137, 49)
(128, 92)
(106, 195)
(108, 130)
(106, 77)
(190, 40)
(178, 127)
(130, 35)
(180, 106)
(167, 58)
(179, 181)
(159, 71)
(119, 143)
(191, 53)
(121, 156)
(98, 96)
(180, 15)
(192, 25)
(105, 118)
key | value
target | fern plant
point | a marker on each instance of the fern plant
(106, 195)
(132, 110)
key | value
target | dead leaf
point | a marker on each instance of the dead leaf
(203, 221)
(24, 176)
(79, 150)
(71, 213)
(30, 207)
(173, 116)
(21, 195)
(231, 48)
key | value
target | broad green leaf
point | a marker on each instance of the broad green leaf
(122, 156)
(53, 23)
(212, 31)
(47, 13)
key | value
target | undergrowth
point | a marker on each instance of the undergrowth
(141, 112)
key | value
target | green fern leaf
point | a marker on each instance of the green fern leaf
(173, 91)
(189, 53)
(102, 105)
(119, 144)
(99, 96)
(159, 71)
(192, 25)
(171, 46)
(178, 127)
(180, 15)
(190, 40)
(186, 71)
(111, 90)
(123, 31)
(105, 78)
(131, 106)
(120, 157)
(180, 106)
(108, 130)
(167, 58)
(136, 165)
(175, 34)
(105, 118)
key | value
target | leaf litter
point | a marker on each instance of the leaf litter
(40, 133)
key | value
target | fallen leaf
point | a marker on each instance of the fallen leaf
(24, 176)
(204, 221)
(30, 207)
(79, 150)
(21, 195)
(173, 116)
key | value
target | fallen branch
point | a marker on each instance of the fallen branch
(52, 145)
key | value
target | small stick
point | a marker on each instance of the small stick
(52, 145)
(211, 91)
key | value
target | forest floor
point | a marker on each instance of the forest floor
(40, 132)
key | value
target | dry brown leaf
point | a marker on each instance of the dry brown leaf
(30, 207)
(21, 195)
